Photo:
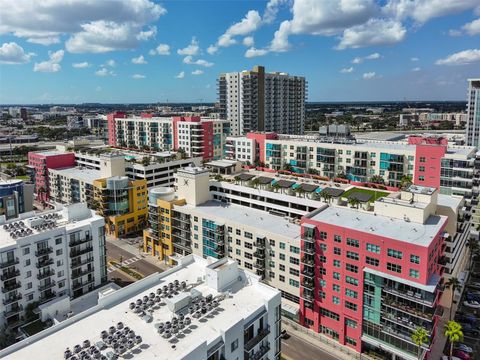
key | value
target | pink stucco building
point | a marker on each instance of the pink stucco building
(44, 160)
(369, 278)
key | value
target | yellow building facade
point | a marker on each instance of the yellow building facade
(123, 203)
(157, 239)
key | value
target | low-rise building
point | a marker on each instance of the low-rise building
(48, 256)
(202, 309)
(16, 197)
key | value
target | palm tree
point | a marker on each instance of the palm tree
(300, 191)
(183, 154)
(405, 181)
(353, 201)
(326, 196)
(420, 337)
(276, 186)
(41, 192)
(287, 167)
(453, 284)
(146, 161)
(453, 332)
(377, 179)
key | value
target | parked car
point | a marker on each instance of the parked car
(466, 318)
(445, 357)
(475, 285)
(472, 304)
(470, 331)
(472, 297)
(463, 347)
(461, 354)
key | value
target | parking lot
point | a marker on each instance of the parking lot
(469, 316)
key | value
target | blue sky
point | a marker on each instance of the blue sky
(147, 51)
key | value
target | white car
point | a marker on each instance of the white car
(472, 304)
(445, 357)
(464, 348)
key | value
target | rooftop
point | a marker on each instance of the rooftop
(401, 230)
(248, 216)
(86, 175)
(241, 297)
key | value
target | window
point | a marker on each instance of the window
(26, 251)
(336, 276)
(394, 267)
(294, 261)
(351, 323)
(395, 254)
(281, 267)
(29, 274)
(350, 341)
(422, 159)
(294, 283)
(29, 285)
(323, 247)
(351, 293)
(195, 227)
(336, 263)
(248, 256)
(294, 249)
(229, 229)
(61, 273)
(372, 261)
(238, 252)
(282, 256)
(350, 305)
(248, 266)
(323, 235)
(59, 263)
(58, 241)
(373, 248)
(415, 259)
(27, 262)
(350, 280)
(59, 252)
(322, 258)
(336, 288)
(238, 232)
(238, 242)
(272, 242)
(282, 246)
(352, 255)
(322, 283)
(248, 245)
(352, 268)
(353, 242)
(248, 235)
(322, 271)
(414, 273)
(421, 178)
(421, 168)
(321, 294)
(329, 314)
(336, 300)
(337, 238)
(294, 272)
(337, 251)
(281, 278)
(234, 345)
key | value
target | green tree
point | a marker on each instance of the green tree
(420, 337)
(453, 284)
(353, 202)
(146, 161)
(300, 191)
(377, 179)
(287, 167)
(453, 332)
(405, 181)
(326, 196)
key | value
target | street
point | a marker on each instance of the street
(132, 260)
(295, 348)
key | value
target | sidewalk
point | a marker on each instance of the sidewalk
(134, 250)
(320, 341)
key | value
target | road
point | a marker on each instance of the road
(133, 261)
(295, 348)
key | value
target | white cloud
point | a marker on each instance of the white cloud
(104, 72)
(464, 57)
(423, 10)
(140, 60)
(415, 69)
(138, 76)
(110, 63)
(226, 40)
(247, 25)
(81, 65)
(347, 70)
(181, 75)
(374, 32)
(359, 60)
(190, 61)
(212, 49)
(252, 52)
(373, 56)
(148, 34)
(454, 33)
(280, 38)
(472, 28)
(197, 72)
(414, 59)
(191, 49)
(368, 75)
(45, 22)
(271, 10)
(52, 64)
(12, 53)
(248, 41)
(161, 49)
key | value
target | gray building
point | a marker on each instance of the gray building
(473, 113)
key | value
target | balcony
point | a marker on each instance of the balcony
(44, 251)
(46, 297)
(46, 286)
(10, 275)
(13, 311)
(308, 284)
(45, 262)
(76, 264)
(44, 274)
(307, 260)
(260, 244)
(410, 295)
(261, 334)
(81, 284)
(80, 241)
(308, 273)
(13, 286)
(310, 250)
(77, 274)
(12, 299)
(265, 348)
(259, 265)
(9, 262)
(75, 253)
(259, 254)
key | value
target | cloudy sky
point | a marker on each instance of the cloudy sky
(146, 51)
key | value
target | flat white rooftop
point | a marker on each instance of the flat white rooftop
(248, 216)
(86, 175)
(238, 301)
(401, 230)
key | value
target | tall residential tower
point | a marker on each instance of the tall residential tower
(473, 113)
(259, 101)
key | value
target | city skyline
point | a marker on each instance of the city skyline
(145, 51)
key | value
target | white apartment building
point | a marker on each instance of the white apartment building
(47, 256)
(201, 309)
(240, 148)
(259, 101)
(154, 132)
(72, 185)
(473, 113)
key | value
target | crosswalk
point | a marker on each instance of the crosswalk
(127, 262)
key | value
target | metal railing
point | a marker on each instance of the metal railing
(261, 334)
